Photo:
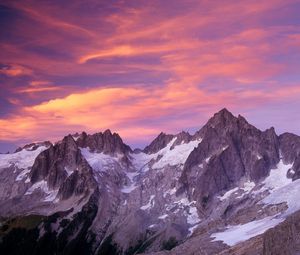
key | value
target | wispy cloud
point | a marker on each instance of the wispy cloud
(143, 67)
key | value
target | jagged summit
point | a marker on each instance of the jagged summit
(106, 142)
(158, 143)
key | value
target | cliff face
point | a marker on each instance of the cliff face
(231, 149)
(64, 169)
(283, 239)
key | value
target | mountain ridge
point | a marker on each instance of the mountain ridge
(180, 193)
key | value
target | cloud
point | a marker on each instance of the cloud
(133, 112)
(15, 70)
(144, 67)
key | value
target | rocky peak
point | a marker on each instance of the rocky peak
(34, 146)
(231, 149)
(182, 137)
(63, 168)
(106, 142)
(158, 143)
(222, 117)
(225, 121)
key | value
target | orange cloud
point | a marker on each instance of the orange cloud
(122, 108)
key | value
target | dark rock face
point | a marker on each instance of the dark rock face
(24, 235)
(64, 168)
(158, 143)
(290, 150)
(283, 239)
(231, 149)
(182, 137)
(105, 142)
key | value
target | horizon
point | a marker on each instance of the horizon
(140, 68)
(11, 148)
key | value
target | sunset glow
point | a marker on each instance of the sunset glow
(142, 67)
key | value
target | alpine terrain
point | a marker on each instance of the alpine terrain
(230, 188)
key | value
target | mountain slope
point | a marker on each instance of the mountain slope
(218, 191)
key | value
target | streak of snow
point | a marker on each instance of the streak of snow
(207, 159)
(224, 148)
(68, 170)
(149, 204)
(245, 189)
(162, 217)
(192, 229)
(23, 174)
(228, 193)
(239, 233)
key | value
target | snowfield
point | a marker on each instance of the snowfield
(281, 190)
(239, 233)
(22, 159)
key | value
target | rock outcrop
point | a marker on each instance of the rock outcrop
(64, 168)
(231, 149)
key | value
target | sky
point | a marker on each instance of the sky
(140, 67)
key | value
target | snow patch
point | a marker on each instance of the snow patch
(245, 189)
(207, 159)
(170, 192)
(224, 148)
(23, 175)
(132, 186)
(248, 186)
(140, 161)
(278, 176)
(193, 217)
(100, 162)
(42, 185)
(239, 233)
(149, 204)
(23, 159)
(287, 194)
(68, 170)
(162, 217)
(177, 155)
(228, 193)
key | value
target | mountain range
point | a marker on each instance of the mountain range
(230, 188)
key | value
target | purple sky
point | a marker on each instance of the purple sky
(141, 67)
